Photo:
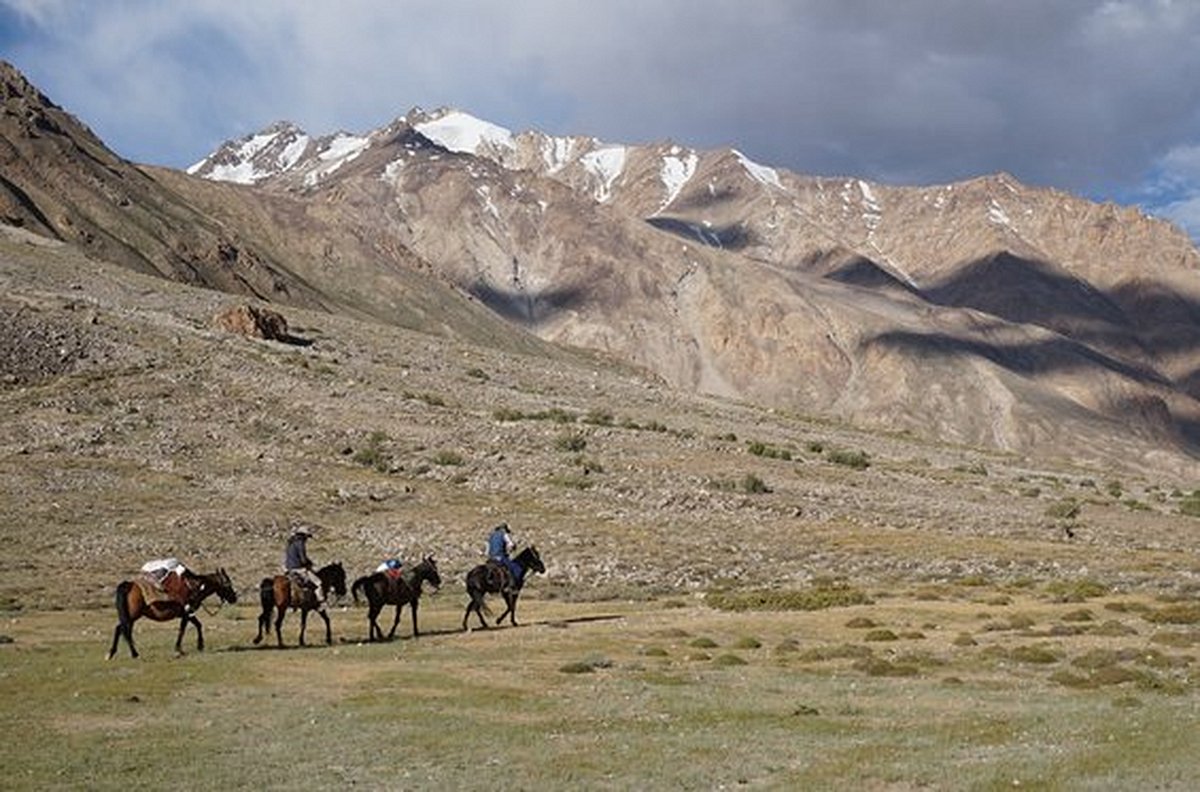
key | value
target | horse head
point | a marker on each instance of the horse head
(218, 583)
(428, 570)
(530, 559)
(333, 576)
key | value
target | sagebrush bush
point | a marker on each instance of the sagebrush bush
(769, 451)
(857, 460)
(598, 416)
(753, 485)
(373, 454)
(1065, 509)
(447, 458)
(571, 441)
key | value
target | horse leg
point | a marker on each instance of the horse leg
(508, 606)
(303, 623)
(477, 606)
(372, 625)
(199, 633)
(266, 596)
(395, 621)
(413, 610)
(122, 630)
(377, 603)
(183, 623)
(124, 622)
(328, 627)
(280, 613)
(510, 601)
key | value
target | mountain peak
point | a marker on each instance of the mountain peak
(256, 157)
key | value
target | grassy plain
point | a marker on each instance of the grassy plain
(969, 688)
(982, 620)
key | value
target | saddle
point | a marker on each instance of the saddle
(499, 576)
(302, 592)
(170, 588)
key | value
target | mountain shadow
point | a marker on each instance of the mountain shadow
(1165, 319)
(730, 237)
(1048, 356)
(1026, 291)
(528, 308)
(1029, 291)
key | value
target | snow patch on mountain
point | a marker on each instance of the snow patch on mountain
(557, 153)
(997, 215)
(241, 168)
(342, 148)
(292, 153)
(606, 164)
(465, 134)
(871, 212)
(760, 173)
(676, 173)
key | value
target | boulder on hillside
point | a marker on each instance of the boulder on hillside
(253, 322)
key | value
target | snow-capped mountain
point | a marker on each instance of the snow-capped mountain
(986, 311)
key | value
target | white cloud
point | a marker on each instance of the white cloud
(1185, 213)
(1172, 190)
(1088, 95)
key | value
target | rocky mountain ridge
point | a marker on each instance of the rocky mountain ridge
(985, 312)
(965, 310)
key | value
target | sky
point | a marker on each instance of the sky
(1097, 97)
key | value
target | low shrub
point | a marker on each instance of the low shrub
(753, 485)
(857, 460)
(1065, 509)
(1177, 613)
(571, 441)
(816, 598)
(447, 458)
(769, 451)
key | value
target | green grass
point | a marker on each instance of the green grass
(600, 704)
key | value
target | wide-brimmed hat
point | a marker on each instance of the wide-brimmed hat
(303, 530)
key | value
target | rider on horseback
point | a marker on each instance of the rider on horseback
(500, 547)
(297, 565)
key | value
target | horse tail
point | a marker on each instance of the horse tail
(122, 601)
(477, 588)
(266, 594)
(361, 583)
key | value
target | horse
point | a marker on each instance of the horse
(493, 577)
(280, 593)
(382, 589)
(184, 597)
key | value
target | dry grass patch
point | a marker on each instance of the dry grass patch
(816, 598)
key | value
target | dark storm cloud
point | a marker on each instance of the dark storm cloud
(1097, 97)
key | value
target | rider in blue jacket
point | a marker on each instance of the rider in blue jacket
(500, 547)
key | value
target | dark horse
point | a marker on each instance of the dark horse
(280, 593)
(405, 589)
(493, 577)
(181, 600)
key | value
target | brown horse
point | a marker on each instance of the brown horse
(279, 593)
(494, 577)
(382, 589)
(183, 595)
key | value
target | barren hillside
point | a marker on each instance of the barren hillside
(131, 427)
